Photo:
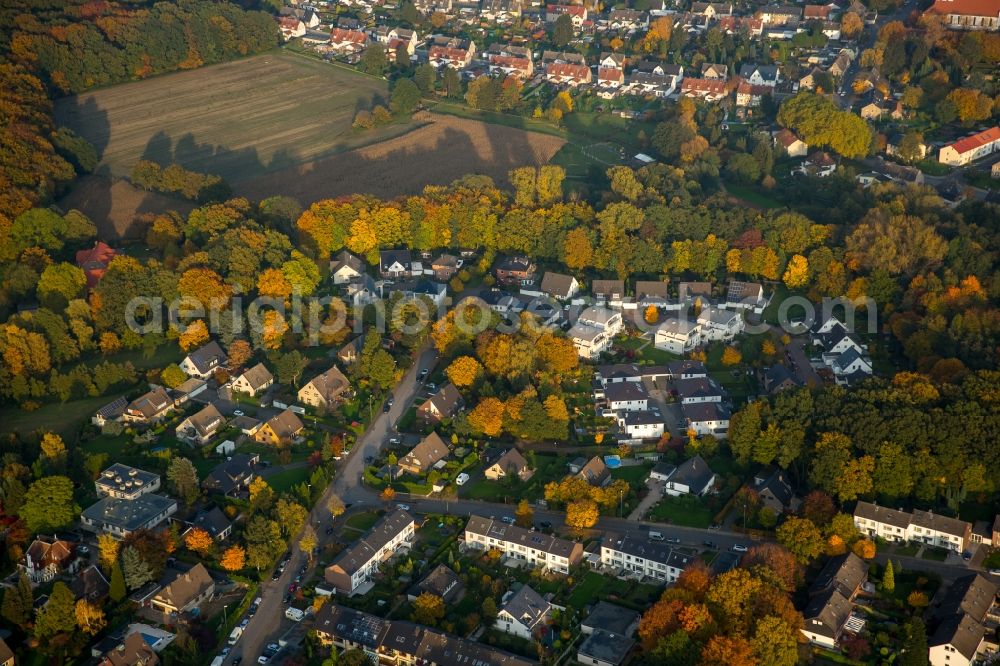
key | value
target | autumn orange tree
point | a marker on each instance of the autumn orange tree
(198, 540)
(233, 559)
(582, 514)
(464, 371)
(652, 315)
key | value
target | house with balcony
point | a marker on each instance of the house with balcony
(360, 562)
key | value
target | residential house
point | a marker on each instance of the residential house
(626, 396)
(254, 380)
(396, 38)
(971, 148)
(967, 614)
(595, 472)
(698, 389)
(841, 63)
(204, 361)
(132, 651)
(501, 11)
(641, 558)
(188, 389)
(712, 70)
(425, 455)
(958, 641)
(692, 477)
(90, 585)
(709, 90)
(819, 165)
(712, 10)
(871, 111)
(612, 60)
(661, 472)
(445, 266)
(894, 140)
(280, 429)
(185, 592)
(775, 490)
(396, 264)
(514, 271)
(511, 60)
(641, 425)
(813, 79)
(694, 293)
(113, 411)
(348, 42)
(121, 518)
(604, 648)
(541, 550)
(399, 643)
(844, 573)
(232, 476)
(213, 521)
(359, 563)
(677, 336)
(750, 96)
(201, 427)
(126, 482)
(524, 613)
(568, 74)
(577, 13)
(825, 616)
(608, 290)
(967, 14)
(925, 527)
(451, 52)
(779, 378)
(363, 291)
(761, 75)
(442, 405)
(510, 464)
(610, 78)
(559, 286)
(442, 582)
(779, 15)
(652, 292)
(428, 7)
(291, 27)
(611, 618)
(650, 84)
(595, 330)
(151, 407)
(745, 296)
(816, 12)
(707, 418)
(627, 19)
(346, 267)
(719, 324)
(351, 351)
(686, 369)
(94, 262)
(326, 390)
(48, 557)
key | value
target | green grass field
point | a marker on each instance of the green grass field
(684, 511)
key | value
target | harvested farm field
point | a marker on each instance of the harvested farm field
(442, 149)
(238, 119)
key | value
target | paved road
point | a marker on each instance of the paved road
(269, 623)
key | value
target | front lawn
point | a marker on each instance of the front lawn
(635, 475)
(936, 554)
(685, 511)
(283, 481)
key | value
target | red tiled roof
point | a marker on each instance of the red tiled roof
(341, 36)
(747, 88)
(94, 261)
(447, 53)
(289, 22)
(817, 11)
(976, 140)
(703, 85)
(572, 10)
(966, 7)
(510, 61)
(610, 74)
(563, 69)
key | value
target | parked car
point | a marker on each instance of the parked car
(995, 572)
(740, 548)
(423, 373)
(507, 519)
(462, 479)
(673, 540)
(545, 525)
(404, 507)
(237, 412)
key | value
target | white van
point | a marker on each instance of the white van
(462, 479)
(655, 536)
(235, 636)
(218, 661)
(294, 614)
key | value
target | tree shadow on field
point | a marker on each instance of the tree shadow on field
(86, 118)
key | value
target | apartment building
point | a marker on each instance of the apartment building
(640, 558)
(541, 550)
(925, 527)
(359, 563)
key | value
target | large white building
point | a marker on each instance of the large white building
(717, 324)
(640, 558)
(359, 563)
(924, 527)
(678, 336)
(970, 148)
(594, 330)
(540, 550)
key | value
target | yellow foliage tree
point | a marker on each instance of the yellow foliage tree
(487, 416)
(464, 371)
(864, 548)
(835, 545)
(234, 558)
(767, 348)
(107, 551)
(195, 335)
(110, 343)
(388, 494)
(582, 514)
(731, 356)
(652, 315)
(273, 283)
(53, 447)
(198, 541)
(89, 617)
(274, 329)
(797, 272)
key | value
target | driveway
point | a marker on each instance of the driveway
(649, 501)
(800, 365)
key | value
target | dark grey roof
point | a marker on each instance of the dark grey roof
(515, 264)
(128, 515)
(606, 647)
(687, 369)
(361, 628)
(113, 409)
(527, 607)
(227, 476)
(503, 532)
(700, 412)
(693, 472)
(826, 613)
(961, 632)
(361, 551)
(972, 595)
(654, 551)
(212, 521)
(208, 357)
(698, 387)
(643, 417)
(607, 287)
(882, 514)
(557, 284)
(443, 582)
(611, 618)
(774, 480)
(843, 573)
(625, 391)
(388, 257)
(122, 478)
(345, 258)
